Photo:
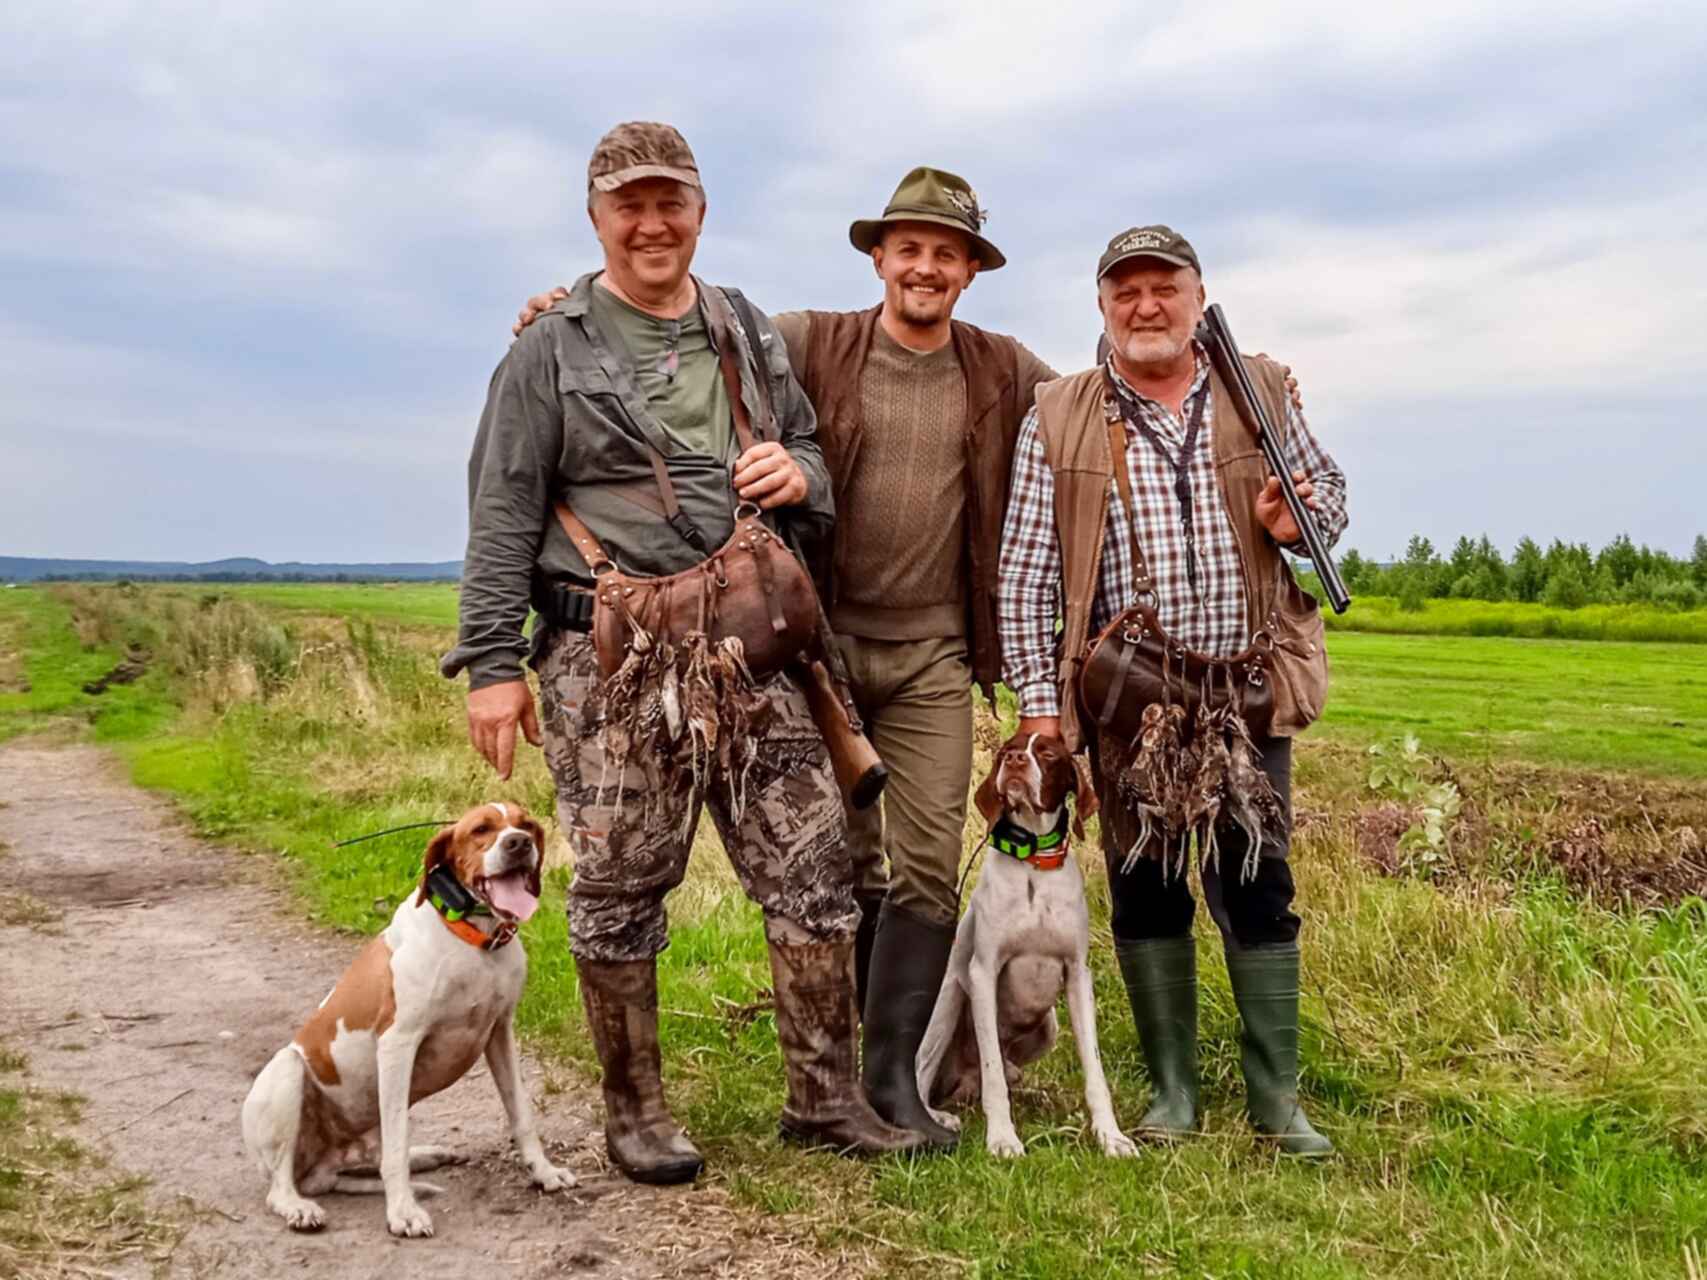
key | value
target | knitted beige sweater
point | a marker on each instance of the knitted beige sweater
(902, 526)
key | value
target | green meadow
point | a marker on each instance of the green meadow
(1505, 1020)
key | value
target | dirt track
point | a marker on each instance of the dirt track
(174, 973)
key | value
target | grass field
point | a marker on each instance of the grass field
(1511, 1069)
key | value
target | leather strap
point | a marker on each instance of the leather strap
(1123, 482)
(1111, 703)
(590, 547)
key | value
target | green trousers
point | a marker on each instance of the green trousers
(915, 697)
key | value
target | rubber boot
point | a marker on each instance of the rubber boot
(1265, 987)
(1161, 984)
(907, 967)
(816, 1027)
(870, 902)
(643, 1140)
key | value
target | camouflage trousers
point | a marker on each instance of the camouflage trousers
(631, 835)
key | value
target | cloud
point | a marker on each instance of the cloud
(284, 241)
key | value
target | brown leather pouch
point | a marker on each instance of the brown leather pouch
(751, 588)
(1133, 663)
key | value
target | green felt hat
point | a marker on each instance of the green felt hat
(932, 195)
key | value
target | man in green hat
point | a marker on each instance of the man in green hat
(620, 406)
(1182, 516)
(917, 417)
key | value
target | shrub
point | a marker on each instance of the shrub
(1566, 588)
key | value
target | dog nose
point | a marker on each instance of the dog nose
(514, 841)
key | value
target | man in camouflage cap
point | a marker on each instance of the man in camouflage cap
(622, 379)
(917, 416)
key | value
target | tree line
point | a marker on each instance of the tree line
(1567, 575)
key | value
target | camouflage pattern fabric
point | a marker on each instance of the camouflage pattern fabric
(631, 835)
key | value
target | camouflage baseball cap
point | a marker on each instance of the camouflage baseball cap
(1156, 241)
(641, 149)
(932, 195)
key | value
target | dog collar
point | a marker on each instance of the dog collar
(1043, 852)
(457, 922)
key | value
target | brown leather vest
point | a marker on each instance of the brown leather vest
(996, 402)
(1073, 428)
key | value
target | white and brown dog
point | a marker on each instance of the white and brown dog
(1025, 936)
(420, 1004)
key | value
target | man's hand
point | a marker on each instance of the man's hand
(1276, 516)
(1291, 382)
(1048, 726)
(537, 306)
(768, 475)
(493, 713)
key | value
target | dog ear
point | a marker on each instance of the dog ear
(438, 850)
(988, 802)
(537, 833)
(1085, 802)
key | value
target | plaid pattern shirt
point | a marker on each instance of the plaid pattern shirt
(1210, 619)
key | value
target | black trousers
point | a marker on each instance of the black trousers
(1151, 902)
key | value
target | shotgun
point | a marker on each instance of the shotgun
(860, 773)
(1224, 355)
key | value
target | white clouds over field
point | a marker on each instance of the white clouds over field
(259, 260)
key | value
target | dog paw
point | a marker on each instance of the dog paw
(409, 1220)
(947, 1119)
(1005, 1146)
(1115, 1143)
(551, 1178)
(305, 1216)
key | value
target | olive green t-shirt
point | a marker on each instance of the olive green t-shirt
(677, 371)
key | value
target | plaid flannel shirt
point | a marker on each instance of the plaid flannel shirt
(1211, 619)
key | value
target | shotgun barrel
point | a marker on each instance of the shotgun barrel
(1224, 354)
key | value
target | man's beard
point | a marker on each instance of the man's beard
(922, 312)
(1151, 347)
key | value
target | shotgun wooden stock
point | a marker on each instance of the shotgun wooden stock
(859, 772)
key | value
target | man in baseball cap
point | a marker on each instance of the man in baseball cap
(1197, 529)
(619, 388)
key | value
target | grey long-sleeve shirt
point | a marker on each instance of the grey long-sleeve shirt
(564, 419)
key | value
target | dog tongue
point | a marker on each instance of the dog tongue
(510, 895)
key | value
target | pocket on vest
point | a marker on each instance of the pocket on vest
(1300, 659)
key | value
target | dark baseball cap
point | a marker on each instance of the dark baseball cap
(1162, 243)
(641, 149)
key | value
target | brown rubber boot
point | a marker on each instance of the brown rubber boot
(622, 1013)
(818, 1029)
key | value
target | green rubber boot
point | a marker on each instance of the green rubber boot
(1161, 984)
(1265, 987)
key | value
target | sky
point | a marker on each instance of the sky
(258, 261)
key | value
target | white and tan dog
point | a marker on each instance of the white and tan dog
(1025, 936)
(420, 1004)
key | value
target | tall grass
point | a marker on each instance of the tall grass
(1512, 1073)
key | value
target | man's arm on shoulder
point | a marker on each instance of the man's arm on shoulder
(1031, 372)
(509, 499)
(798, 424)
(1029, 580)
(795, 327)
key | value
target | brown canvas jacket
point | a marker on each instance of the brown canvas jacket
(1073, 427)
(1002, 377)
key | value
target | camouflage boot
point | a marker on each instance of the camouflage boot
(622, 1013)
(818, 1030)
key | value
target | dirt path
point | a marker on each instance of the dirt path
(173, 975)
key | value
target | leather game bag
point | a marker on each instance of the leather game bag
(1132, 662)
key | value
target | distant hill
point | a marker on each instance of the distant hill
(236, 569)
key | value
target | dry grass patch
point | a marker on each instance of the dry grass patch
(60, 1213)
